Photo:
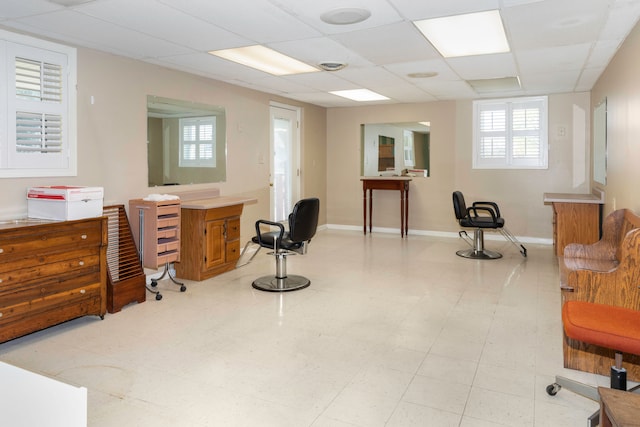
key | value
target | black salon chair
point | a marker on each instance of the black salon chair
(303, 222)
(481, 216)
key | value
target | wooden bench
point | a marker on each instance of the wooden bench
(605, 272)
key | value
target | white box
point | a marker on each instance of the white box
(64, 202)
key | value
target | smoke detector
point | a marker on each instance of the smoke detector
(332, 65)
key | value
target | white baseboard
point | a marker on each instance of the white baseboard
(449, 234)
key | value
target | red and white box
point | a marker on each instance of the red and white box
(61, 202)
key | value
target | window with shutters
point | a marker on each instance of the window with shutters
(38, 119)
(510, 133)
(198, 142)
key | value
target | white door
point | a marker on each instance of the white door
(285, 161)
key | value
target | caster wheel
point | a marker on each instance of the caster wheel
(553, 389)
(154, 283)
(158, 297)
(183, 288)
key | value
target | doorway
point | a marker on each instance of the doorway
(285, 160)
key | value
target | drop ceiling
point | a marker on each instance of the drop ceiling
(557, 46)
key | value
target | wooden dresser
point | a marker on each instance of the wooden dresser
(50, 273)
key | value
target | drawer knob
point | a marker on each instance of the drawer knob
(81, 263)
(0, 280)
(0, 314)
(1, 250)
(83, 237)
(83, 291)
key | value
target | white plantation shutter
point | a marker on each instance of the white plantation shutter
(198, 142)
(39, 138)
(510, 133)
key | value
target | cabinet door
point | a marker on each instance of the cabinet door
(214, 253)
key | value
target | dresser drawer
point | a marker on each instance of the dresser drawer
(48, 278)
(165, 210)
(39, 239)
(86, 299)
(166, 245)
(35, 260)
(233, 228)
(233, 251)
(168, 221)
(169, 256)
(168, 233)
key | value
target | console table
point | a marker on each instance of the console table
(401, 184)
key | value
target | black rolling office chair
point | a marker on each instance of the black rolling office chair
(481, 216)
(303, 222)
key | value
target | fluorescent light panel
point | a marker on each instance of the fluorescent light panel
(360, 95)
(264, 59)
(466, 35)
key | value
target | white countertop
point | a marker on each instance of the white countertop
(217, 202)
(574, 198)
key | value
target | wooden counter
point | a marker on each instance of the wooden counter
(210, 243)
(576, 218)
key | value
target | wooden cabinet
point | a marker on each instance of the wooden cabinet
(159, 222)
(210, 243)
(51, 273)
(576, 219)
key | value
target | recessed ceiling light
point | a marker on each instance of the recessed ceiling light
(69, 3)
(495, 85)
(265, 59)
(422, 75)
(360, 95)
(465, 35)
(345, 16)
(332, 65)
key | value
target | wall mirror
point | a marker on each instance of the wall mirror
(600, 143)
(186, 142)
(394, 149)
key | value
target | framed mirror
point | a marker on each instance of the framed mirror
(395, 149)
(600, 143)
(186, 142)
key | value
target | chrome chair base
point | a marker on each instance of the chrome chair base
(483, 254)
(281, 284)
(477, 250)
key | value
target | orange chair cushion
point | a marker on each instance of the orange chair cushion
(617, 328)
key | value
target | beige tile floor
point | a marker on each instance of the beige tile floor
(391, 332)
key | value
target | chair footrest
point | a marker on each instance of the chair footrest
(281, 284)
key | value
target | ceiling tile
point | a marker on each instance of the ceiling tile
(554, 58)
(260, 21)
(439, 66)
(22, 8)
(484, 66)
(320, 49)
(165, 23)
(588, 78)
(554, 82)
(71, 26)
(567, 22)
(388, 44)
(415, 10)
